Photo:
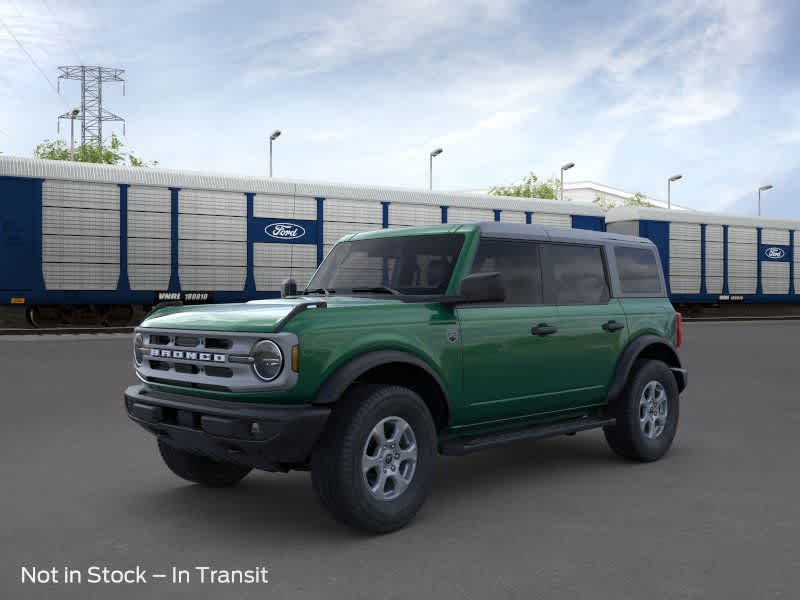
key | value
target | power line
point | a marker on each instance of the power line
(30, 57)
(66, 37)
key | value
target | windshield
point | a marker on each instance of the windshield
(420, 264)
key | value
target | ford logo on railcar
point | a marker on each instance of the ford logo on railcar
(774, 252)
(285, 231)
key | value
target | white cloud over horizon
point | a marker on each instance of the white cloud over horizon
(364, 90)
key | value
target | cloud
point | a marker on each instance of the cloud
(364, 30)
(364, 90)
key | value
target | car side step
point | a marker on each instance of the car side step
(466, 445)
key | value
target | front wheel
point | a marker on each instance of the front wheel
(646, 413)
(372, 466)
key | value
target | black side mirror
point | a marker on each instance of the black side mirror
(288, 288)
(483, 287)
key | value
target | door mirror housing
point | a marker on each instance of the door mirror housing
(288, 288)
(482, 287)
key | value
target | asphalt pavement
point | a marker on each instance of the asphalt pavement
(718, 517)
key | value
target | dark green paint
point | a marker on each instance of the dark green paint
(496, 372)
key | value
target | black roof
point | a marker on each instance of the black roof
(558, 234)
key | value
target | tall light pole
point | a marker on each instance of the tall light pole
(565, 167)
(72, 116)
(275, 135)
(669, 183)
(763, 188)
(436, 152)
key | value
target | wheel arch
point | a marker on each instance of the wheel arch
(650, 347)
(391, 367)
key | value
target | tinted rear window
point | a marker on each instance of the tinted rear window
(638, 271)
(574, 274)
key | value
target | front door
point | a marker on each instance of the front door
(509, 358)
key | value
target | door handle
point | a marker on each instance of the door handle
(613, 326)
(543, 330)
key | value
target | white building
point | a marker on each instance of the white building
(588, 191)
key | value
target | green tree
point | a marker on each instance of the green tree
(530, 187)
(111, 154)
(638, 199)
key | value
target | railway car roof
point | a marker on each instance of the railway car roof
(15, 166)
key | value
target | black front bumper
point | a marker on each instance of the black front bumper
(270, 437)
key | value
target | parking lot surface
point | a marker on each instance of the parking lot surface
(719, 517)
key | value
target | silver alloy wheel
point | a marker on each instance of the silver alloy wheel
(653, 409)
(389, 459)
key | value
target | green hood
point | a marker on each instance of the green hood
(260, 316)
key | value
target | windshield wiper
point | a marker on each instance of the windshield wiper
(321, 290)
(377, 289)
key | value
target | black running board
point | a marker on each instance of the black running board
(466, 445)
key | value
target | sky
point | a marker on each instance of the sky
(632, 92)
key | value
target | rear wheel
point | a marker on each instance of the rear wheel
(646, 413)
(199, 469)
(372, 466)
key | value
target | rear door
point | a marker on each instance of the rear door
(592, 328)
(17, 206)
(508, 370)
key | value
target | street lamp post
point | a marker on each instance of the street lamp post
(436, 152)
(565, 167)
(275, 135)
(669, 183)
(72, 115)
(763, 188)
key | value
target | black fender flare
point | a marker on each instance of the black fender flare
(346, 374)
(633, 351)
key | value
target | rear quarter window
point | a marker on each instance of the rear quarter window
(638, 270)
(574, 274)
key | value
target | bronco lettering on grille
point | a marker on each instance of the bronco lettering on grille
(204, 356)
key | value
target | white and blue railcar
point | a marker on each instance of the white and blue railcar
(93, 236)
(710, 257)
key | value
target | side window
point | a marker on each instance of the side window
(638, 271)
(574, 275)
(518, 263)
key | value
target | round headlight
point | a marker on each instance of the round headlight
(267, 360)
(138, 349)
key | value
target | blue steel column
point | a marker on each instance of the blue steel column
(759, 287)
(658, 233)
(444, 214)
(37, 284)
(497, 214)
(385, 214)
(703, 288)
(320, 229)
(725, 288)
(250, 280)
(528, 217)
(174, 277)
(791, 262)
(123, 284)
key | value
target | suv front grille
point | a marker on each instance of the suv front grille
(187, 355)
(213, 361)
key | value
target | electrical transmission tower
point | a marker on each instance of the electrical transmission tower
(92, 113)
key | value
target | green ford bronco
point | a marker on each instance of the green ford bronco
(410, 343)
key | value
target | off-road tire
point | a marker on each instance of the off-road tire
(199, 469)
(336, 470)
(626, 437)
